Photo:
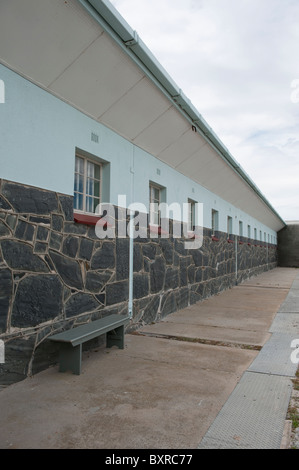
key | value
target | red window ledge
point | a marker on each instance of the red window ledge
(230, 241)
(192, 236)
(215, 239)
(89, 219)
(157, 229)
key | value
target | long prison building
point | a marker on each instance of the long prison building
(90, 120)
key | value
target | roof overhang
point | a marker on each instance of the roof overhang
(87, 55)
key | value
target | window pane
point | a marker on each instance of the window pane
(78, 184)
(191, 216)
(90, 169)
(214, 220)
(229, 225)
(89, 204)
(97, 188)
(154, 194)
(96, 206)
(78, 201)
(96, 202)
(90, 187)
(97, 172)
(79, 167)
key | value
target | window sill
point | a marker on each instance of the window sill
(229, 240)
(191, 235)
(215, 239)
(157, 229)
(86, 219)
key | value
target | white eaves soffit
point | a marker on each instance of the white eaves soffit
(75, 55)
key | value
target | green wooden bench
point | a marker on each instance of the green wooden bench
(70, 352)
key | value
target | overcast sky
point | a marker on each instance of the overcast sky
(238, 63)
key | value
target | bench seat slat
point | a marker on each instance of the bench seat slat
(90, 330)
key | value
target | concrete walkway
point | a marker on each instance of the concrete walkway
(169, 386)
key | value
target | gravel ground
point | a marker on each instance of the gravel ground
(293, 415)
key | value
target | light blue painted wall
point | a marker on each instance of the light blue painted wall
(38, 137)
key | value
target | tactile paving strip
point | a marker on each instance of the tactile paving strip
(253, 417)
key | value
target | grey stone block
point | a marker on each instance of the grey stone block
(19, 256)
(68, 269)
(38, 299)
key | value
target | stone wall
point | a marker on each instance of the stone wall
(55, 274)
(288, 246)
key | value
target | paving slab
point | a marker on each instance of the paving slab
(226, 317)
(245, 337)
(279, 278)
(251, 298)
(243, 315)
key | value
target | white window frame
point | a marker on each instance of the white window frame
(85, 177)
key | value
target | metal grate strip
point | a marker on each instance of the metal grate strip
(286, 323)
(253, 416)
(275, 357)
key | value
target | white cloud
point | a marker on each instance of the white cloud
(236, 60)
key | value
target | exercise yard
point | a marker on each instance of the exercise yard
(207, 376)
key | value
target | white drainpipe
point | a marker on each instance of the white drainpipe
(236, 257)
(131, 265)
(131, 242)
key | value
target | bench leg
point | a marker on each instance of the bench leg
(116, 337)
(70, 358)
